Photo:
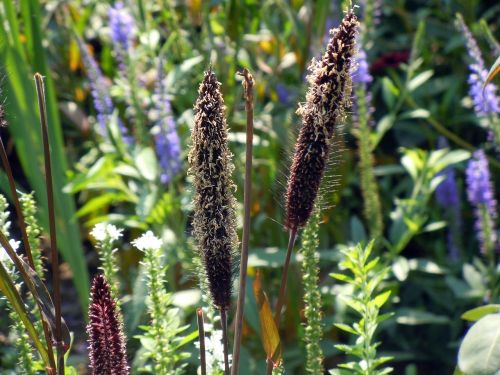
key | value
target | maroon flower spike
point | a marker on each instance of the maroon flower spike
(107, 342)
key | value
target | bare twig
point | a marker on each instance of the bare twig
(201, 337)
(248, 91)
(56, 280)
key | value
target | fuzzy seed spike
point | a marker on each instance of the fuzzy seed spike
(107, 349)
(214, 221)
(328, 95)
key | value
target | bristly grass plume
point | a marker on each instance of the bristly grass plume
(329, 92)
(214, 222)
(106, 340)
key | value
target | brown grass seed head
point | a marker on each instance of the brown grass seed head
(214, 220)
(328, 95)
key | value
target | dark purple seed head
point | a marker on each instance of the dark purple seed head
(214, 220)
(107, 349)
(328, 95)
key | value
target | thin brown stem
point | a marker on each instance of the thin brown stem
(223, 322)
(201, 337)
(17, 205)
(56, 280)
(240, 307)
(281, 297)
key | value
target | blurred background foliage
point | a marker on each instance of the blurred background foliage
(419, 63)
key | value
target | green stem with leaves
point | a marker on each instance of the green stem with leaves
(312, 296)
(369, 187)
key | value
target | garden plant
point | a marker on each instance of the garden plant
(249, 187)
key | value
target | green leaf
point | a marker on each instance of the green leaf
(383, 126)
(479, 352)
(346, 328)
(413, 317)
(382, 298)
(401, 268)
(479, 312)
(389, 92)
(146, 164)
(419, 80)
(341, 277)
(416, 113)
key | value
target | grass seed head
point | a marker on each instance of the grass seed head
(214, 221)
(328, 95)
(107, 349)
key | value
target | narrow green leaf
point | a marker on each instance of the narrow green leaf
(479, 312)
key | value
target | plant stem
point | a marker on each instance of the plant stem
(17, 205)
(56, 281)
(201, 337)
(223, 322)
(281, 297)
(248, 87)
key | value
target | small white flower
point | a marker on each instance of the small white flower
(103, 231)
(215, 351)
(99, 232)
(148, 241)
(4, 257)
(114, 233)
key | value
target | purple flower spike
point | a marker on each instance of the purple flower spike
(122, 26)
(107, 349)
(485, 100)
(167, 140)
(481, 195)
(361, 71)
(102, 101)
(448, 197)
(479, 187)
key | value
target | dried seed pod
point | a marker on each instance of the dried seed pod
(107, 349)
(328, 95)
(214, 221)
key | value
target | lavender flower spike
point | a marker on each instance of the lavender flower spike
(484, 97)
(448, 197)
(107, 349)
(360, 71)
(122, 26)
(481, 195)
(167, 142)
(102, 101)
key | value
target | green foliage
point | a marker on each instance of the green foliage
(480, 350)
(369, 187)
(312, 296)
(161, 341)
(22, 117)
(365, 279)
(410, 215)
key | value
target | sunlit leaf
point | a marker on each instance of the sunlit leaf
(269, 331)
(479, 312)
(480, 349)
